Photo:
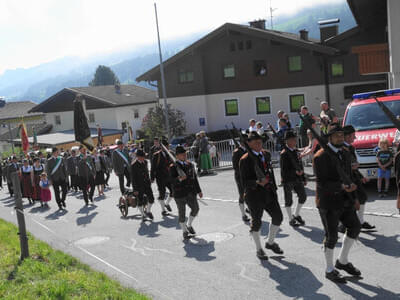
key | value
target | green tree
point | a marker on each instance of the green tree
(153, 123)
(104, 76)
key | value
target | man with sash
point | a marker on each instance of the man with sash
(160, 172)
(260, 195)
(122, 165)
(57, 175)
(86, 174)
(72, 168)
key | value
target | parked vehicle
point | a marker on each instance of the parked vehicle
(178, 141)
(371, 124)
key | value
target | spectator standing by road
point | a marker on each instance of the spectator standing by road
(329, 112)
(384, 157)
(205, 160)
(303, 129)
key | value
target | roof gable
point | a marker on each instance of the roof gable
(97, 97)
(273, 35)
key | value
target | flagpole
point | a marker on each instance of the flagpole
(164, 92)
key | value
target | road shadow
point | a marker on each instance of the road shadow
(294, 281)
(88, 213)
(170, 222)
(309, 192)
(132, 217)
(199, 249)
(380, 293)
(56, 215)
(148, 229)
(315, 234)
(386, 245)
(39, 209)
(99, 198)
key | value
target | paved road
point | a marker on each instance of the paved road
(220, 263)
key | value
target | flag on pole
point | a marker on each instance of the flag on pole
(81, 127)
(24, 138)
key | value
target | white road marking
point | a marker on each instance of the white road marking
(44, 226)
(133, 248)
(243, 272)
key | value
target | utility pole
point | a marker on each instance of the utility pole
(164, 92)
(23, 239)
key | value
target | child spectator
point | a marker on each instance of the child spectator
(384, 157)
(45, 193)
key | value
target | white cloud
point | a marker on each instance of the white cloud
(32, 32)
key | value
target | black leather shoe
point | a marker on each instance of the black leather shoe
(274, 247)
(245, 218)
(367, 226)
(164, 213)
(63, 204)
(261, 255)
(349, 268)
(191, 230)
(91, 199)
(293, 223)
(335, 277)
(167, 206)
(150, 215)
(300, 220)
(186, 235)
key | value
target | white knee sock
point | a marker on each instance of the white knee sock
(273, 230)
(361, 213)
(162, 203)
(344, 252)
(141, 210)
(190, 221)
(329, 260)
(241, 207)
(289, 212)
(183, 226)
(149, 207)
(256, 237)
(298, 208)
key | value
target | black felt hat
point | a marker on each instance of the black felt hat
(254, 136)
(180, 150)
(140, 153)
(334, 128)
(348, 129)
(290, 134)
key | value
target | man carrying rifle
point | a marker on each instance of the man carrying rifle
(360, 194)
(293, 179)
(237, 155)
(160, 172)
(259, 185)
(186, 188)
(332, 167)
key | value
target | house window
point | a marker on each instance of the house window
(57, 120)
(337, 69)
(296, 102)
(260, 68)
(231, 107)
(185, 76)
(294, 63)
(232, 46)
(229, 71)
(91, 118)
(263, 105)
(240, 45)
(248, 44)
(136, 114)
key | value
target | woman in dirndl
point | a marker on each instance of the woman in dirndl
(26, 173)
(38, 169)
(100, 170)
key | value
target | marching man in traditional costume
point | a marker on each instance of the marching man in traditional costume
(122, 165)
(58, 177)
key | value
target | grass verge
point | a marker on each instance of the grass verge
(50, 274)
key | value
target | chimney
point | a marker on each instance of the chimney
(328, 28)
(117, 87)
(260, 24)
(303, 35)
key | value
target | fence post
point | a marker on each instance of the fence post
(23, 239)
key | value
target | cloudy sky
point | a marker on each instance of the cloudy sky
(37, 31)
